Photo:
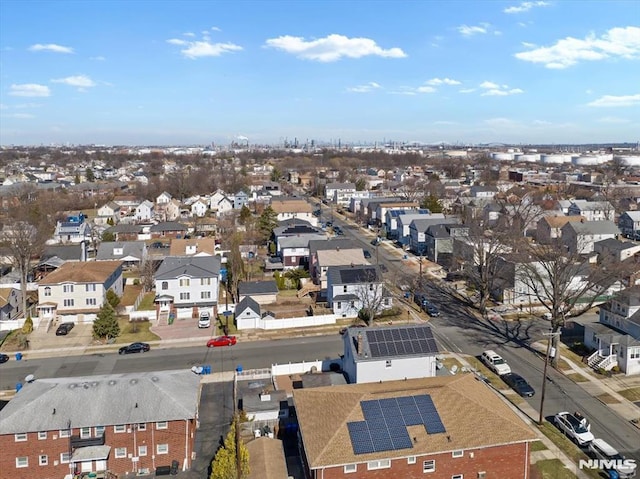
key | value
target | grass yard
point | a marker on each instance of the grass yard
(576, 377)
(222, 320)
(567, 446)
(130, 295)
(551, 469)
(136, 331)
(147, 303)
(607, 399)
(538, 446)
(632, 394)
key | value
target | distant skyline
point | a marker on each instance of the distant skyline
(196, 72)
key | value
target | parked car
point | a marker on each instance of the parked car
(205, 320)
(367, 254)
(432, 311)
(4, 358)
(221, 341)
(64, 329)
(495, 362)
(600, 449)
(134, 348)
(576, 428)
(518, 384)
(375, 241)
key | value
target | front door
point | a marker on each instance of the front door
(86, 466)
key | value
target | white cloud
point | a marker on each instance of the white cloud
(332, 47)
(525, 7)
(99, 58)
(442, 81)
(189, 34)
(468, 31)
(366, 88)
(620, 42)
(493, 89)
(616, 101)
(203, 48)
(20, 116)
(50, 47)
(404, 90)
(216, 29)
(613, 120)
(80, 81)
(425, 89)
(29, 89)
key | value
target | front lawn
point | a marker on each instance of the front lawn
(131, 332)
(551, 469)
(632, 394)
(567, 446)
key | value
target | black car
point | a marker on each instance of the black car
(64, 329)
(3, 358)
(134, 348)
(367, 254)
(518, 384)
(383, 268)
(432, 311)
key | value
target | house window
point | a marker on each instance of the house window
(21, 437)
(67, 288)
(411, 460)
(165, 285)
(142, 426)
(42, 435)
(205, 295)
(457, 454)
(22, 461)
(429, 466)
(388, 364)
(68, 302)
(371, 287)
(65, 457)
(85, 432)
(47, 291)
(99, 431)
(457, 476)
(482, 475)
(344, 289)
(339, 305)
(184, 296)
(381, 464)
(350, 468)
(89, 287)
(634, 353)
(91, 301)
(121, 452)
(386, 301)
(184, 282)
(205, 281)
(162, 425)
(43, 459)
(162, 449)
(142, 451)
(118, 428)
(64, 433)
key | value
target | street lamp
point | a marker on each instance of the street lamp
(550, 335)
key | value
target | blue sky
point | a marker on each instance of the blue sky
(193, 72)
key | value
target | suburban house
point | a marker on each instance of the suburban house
(10, 304)
(392, 225)
(580, 236)
(438, 241)
(352, 288)
(187, 286)
(168, 229)
(53, 256)
(339, 193)
(452, 425)
(266, 458)
(294, 209)
(292, 243)
(131, 253)
(629, 224)
(616, 337)
(144, 211)
(418, 232)
(193, 247)
(389, 353)
(592, 210)
(325, 258)
(77, 290)
(382, 207)
(74, 229)
(247, 313)
(616, 250)
(125, 232)
(221, 206)
(240, 199)
(199, 207)
(108, 213)
(549, 228)
(262, 292)
(163, 198)
(483, 192)
(327, 244)
(138, 423)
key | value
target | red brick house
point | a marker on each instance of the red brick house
(123, 423)
(438, 428)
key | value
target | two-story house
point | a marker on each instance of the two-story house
(549, 228)
(74, 229)
(580, 236)
(109, 213)
(592, 210)
(418, 232)
(131, 253)
(10, 304)
(199, 207)
(615, 251)
(187, 286)
(292, 243)
(144, 211)
(446, 427)
(353, 288)
(325, 258)
(168, 229)
(76, 291)
(629, 224)
(163, 199)
(389, 353)
(136, 424)
(240, 199)
(339, 193)
(193, 247)
(293, 209)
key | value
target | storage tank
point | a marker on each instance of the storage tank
(552, 159)
(527, 158)
(502, 156)
(630, 160)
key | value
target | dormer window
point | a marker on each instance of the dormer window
(47, 291)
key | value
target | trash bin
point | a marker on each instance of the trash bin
(239, 368)
(174, 467)
(18, 356)
(18, 387)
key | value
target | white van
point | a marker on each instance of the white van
(205, 320)
(602, 450)
(495, 362)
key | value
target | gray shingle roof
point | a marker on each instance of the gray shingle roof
(328, 243)
(257, 287)
(593, 227)
(168, 226)
(103, 400)
(106, 250)
(247, 303)
(71, 252)
(193, 266)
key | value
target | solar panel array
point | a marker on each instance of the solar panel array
(401, 341)
(385, 423)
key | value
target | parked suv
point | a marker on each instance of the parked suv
(599, 449)
(576, 428)
(495, 362)
(64, 329)
(205, 320)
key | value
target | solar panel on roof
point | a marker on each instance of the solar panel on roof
(412, 419)
(381, 440)
(375, 350)
(396, 335)
(420, 333)
(404, 335)
(405, 401)
(388, 335)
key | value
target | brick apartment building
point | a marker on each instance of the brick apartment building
(441, 427)
(133, 422)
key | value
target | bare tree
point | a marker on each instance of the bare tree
(235, 265)
(147, 271)
(369, 293)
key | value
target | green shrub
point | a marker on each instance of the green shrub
(27, 327)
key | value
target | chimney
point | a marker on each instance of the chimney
(359, 344)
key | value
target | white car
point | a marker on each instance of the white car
(495, 362)
(575, 428)
(600, 449)
(205, 320)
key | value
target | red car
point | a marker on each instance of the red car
(221, 341)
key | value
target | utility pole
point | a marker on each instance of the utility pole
(550, 335)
